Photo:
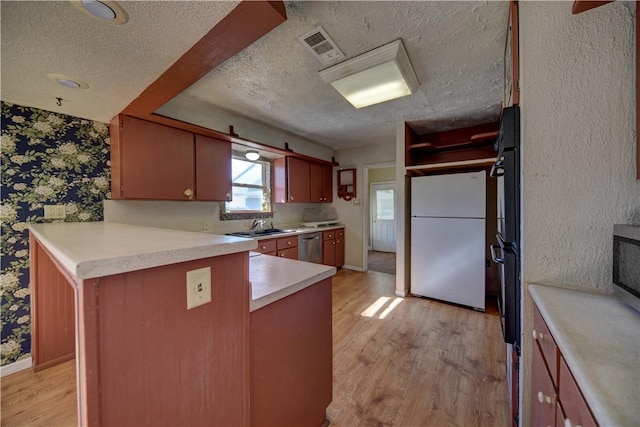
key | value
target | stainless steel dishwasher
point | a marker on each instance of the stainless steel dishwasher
(310, 247)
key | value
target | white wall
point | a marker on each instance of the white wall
(578, 146)
(351, 213)
(190, 216)
(181, 108)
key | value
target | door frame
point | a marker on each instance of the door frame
(395, 211)
(366, 212)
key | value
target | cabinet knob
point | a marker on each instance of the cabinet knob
(282, 255)
(188, 193)
(568, 423)
(537, 335)
(334, 242)
(291, 197)
(542, 398)
(289, 243)
(264, 247)
(228, 196)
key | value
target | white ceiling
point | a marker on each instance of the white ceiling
(456, 49)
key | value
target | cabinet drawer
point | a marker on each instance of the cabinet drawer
(547, 344)
(290, 253)
(265, 246)
(340, 233)
(575, 407)
(328, 235)
(543, 396)
(287, 242)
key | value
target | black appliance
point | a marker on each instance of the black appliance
(506, 251)
(626, 263)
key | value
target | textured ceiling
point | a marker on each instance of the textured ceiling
(456, 49)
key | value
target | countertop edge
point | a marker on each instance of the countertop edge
(604, 414)
(110, 265)
(290, 289)
(298, 231)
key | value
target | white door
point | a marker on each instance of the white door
(383, 217)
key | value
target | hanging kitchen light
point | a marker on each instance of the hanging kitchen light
(380, 75)
(252, 155)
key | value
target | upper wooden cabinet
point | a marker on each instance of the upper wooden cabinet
(153, 161)
(301, 181)
(321, 182)
(213, 169)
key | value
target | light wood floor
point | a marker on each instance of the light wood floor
(397, 362)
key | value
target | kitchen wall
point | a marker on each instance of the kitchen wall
(353, 213)
(578, 146)
(193, 111)
(384, 174)
(47, 158)
(191, 216)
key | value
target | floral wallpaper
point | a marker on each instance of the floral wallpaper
(46, 158)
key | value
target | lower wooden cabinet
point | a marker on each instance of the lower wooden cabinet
(556, 399)
(333, 247)
(291, 369)
(285, 247)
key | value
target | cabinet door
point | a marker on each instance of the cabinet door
(329, 252)
(156, 161)
(339, 252)
(327, 184)
(543, 396)
(265, 246)
(298, 180)
(316, 182)
(290, 253)
(213, 169)
(576, 409)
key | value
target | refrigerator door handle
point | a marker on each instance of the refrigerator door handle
(494, 257)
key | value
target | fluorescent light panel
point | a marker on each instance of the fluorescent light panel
(379, 75)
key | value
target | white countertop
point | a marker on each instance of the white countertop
(97, 249)
(599, 337)
(293, 231)
(273, 278)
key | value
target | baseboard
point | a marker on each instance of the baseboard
(352, 267)
(14, 367)
(401, 294)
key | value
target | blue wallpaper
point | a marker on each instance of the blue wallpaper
(46, 158)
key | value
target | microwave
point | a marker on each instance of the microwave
(626, 263)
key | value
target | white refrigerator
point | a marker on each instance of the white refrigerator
(448, 215)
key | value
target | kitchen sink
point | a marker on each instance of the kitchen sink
(257, 233)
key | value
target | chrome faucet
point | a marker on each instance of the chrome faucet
(258, 222)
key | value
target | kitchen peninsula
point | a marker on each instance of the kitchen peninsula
(114, 296)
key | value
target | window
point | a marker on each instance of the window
(251, 194)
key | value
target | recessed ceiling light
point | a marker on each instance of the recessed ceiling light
(106, 11)
(67, 81)
(99, 9)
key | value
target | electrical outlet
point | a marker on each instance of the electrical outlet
(205, 224)
(198, 287)
(54, 212)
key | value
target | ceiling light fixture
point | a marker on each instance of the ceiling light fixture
(252, 155)
(380, 75)
(105, 10)
(67, 81)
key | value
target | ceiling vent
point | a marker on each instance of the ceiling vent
(321, 46)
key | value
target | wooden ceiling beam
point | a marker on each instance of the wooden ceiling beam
(245, 24)
(580, 6)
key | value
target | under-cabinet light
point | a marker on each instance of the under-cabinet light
(252, 155)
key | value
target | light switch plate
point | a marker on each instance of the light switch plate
(198, 287)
